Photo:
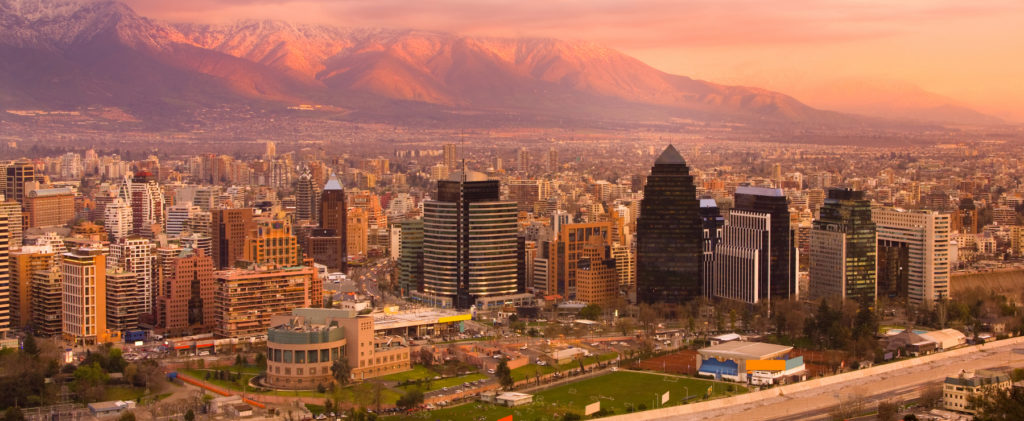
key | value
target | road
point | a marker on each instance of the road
(903, 384)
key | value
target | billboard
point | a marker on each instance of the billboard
(766, 365)
(592, 408)
(664, 398)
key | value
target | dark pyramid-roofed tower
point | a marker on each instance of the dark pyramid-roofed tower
(670, 156)
(334, 218)
(669, 234)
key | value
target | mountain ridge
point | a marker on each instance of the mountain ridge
(64, 54)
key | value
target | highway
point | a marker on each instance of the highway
(902, 384)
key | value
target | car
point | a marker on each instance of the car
(541, 363)
(490, 371)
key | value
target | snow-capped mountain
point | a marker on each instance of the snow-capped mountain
(60, 53)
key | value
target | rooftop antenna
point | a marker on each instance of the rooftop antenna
(462, 146)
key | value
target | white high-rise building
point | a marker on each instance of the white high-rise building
(117, 218)
(625, 264)
(926, 235)
(741, 256)
(400, 206)
(146, 199)
(135, 254)
(177, 216)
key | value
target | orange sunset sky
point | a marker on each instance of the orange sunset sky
(823, 52)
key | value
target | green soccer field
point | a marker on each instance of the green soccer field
(616, 391)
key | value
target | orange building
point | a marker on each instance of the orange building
(229, 227)
(597, 280)
(246, 298)
(566, 252)
(84, 273)
(50, 207)
(358, 232)
(185, 304)
(273, 242)
(23, 264)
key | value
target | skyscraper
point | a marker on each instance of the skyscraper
(843, 248)
(186, 305)
(124, 300)
(146, 199)
(272, 242)
(522, 160)
(334, 218)
(229, 227)
(14, 222)
(922, 237)
(567, 250)
(597, 281)
(470, 245)
(84, 273)
(781, 280)
(135, 254)
(552, 160)
(451, 158)
(306, 196)
(669, 240)
(5, 276)
(712, 222)
(177, 217)
(741, 268)
(23, 264)
(18, 173)
(410, 257)
(117, 218)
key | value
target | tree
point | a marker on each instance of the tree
(14, 414)
(590, 312)
(361, 414)
(30, 346)
(648, 315)
(504, 374)
(261, 360)
(341, 371)
(625, 325)
(89, 382)
(190, 415)
(888, 411)
(998, 404)
(127, 416)
(411, 399)
(931, 396)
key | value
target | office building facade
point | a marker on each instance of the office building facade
(669, 253)
(470, 245)
(843, 249)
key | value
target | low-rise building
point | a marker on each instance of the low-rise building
(741, 361)
(958, 391)
(303, 346)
